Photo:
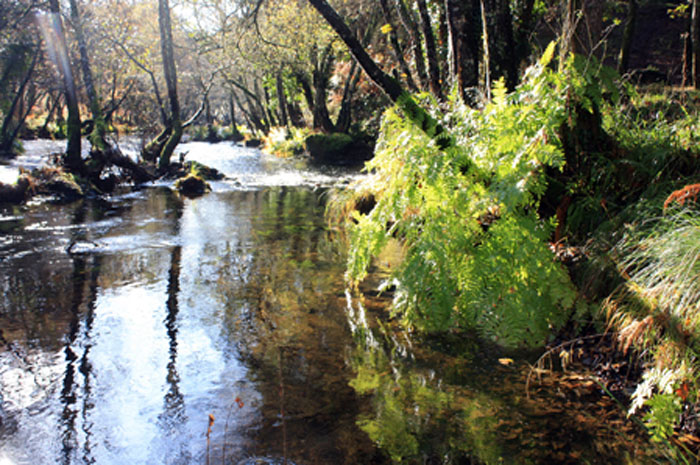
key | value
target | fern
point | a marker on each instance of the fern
(476, 252)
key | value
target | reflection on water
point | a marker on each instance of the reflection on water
(126, 322)
(451, 399)
(229, 305)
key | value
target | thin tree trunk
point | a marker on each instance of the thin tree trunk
(460, 53)
(433, 65)
(267, 107)
(487, 57)
(49, 116)
(303, 81)
(246, 114)
(97, 137)
(166, 46)
(695, 39)
(510, 58)
(321, 77)
(413, 112)
(627, 35)
(396, 46)
(154, 82)
(411, 27)
(342, 124)
(523, 29)
(73, 159)
(281, 100)
(7, 136)
(568, 34)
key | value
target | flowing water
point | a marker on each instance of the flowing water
(145, 328)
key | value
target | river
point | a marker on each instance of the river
(146, 328)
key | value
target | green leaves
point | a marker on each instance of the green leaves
(476, 252)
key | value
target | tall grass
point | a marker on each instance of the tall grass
(657, 310)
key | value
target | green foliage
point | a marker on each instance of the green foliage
(476, 251)
(286, 142)
(665, 412)
(654, 148)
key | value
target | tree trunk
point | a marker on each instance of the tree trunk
(413, 32)
(49, 116)
(268, 109)
(487, 55)
(97, 137)
(246, 113)
(433, 65)
(342, 124)
(627, 35)
(396, 46)
(523, 28)
(568, 33)
(166, 47)
(460, 55)
(390, 86)
(508, 58)
(321, 78)
(281, 100)
(59, 53)
(695, 40)
(8, 134)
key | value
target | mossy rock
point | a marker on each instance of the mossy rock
(205, 172)
(56, 182)
(192, 185)
(337, 149)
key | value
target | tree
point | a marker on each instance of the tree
(433, 66)
(174, 122)
(695, 40)
(55, 39)
(389, 85)
(627, 35)
(97, 136)
(19, 58)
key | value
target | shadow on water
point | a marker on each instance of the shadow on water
(234, 305)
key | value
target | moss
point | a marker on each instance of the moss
(203, 171)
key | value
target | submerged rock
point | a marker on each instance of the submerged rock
(192, 185)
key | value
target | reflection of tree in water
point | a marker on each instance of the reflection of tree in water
(447, 399)
(283, 296)
(76, 340)
(173, 417)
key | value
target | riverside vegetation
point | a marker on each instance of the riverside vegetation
(476, 223)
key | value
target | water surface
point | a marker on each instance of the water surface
(127, 321)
